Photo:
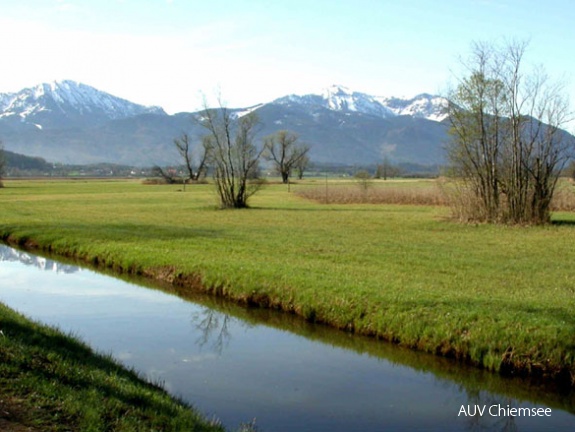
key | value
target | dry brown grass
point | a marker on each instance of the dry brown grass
(440, 192)
(376, 194)
(564, 197)
(464, 205)
(179, 181)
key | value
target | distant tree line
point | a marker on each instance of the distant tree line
(17, 161)
(18, 165)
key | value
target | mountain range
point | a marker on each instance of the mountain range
(70, 122)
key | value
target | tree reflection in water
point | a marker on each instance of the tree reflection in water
(213, 327)
(486, 421)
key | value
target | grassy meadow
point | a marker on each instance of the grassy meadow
(499, 297)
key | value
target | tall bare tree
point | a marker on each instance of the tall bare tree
(507, 143)
(475, 112)
(283, 149)
(234, 155)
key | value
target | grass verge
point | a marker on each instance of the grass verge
(498, 297)
(53, 382)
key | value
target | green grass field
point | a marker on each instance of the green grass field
(498, 297)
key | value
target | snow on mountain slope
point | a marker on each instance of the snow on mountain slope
(245, 111)
(423, 105)
(340, 98)
(69, 99)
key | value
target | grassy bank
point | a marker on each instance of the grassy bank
(52, 382)
(498, 297)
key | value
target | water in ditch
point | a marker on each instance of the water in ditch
(238, 363)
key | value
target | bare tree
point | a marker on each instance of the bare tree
(475, 113)
(507, 143)
(285, 152)
(184, 148)
(364, 181)
(301, 166)
(547, 148)
(233, 154)
(192, 171)
(386, 169)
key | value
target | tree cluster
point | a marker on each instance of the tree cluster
(229, 151)
(507, 142)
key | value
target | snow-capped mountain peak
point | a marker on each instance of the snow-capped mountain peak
(337, 91)
(69, 99)
(341, 98)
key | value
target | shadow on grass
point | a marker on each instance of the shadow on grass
(563, 222)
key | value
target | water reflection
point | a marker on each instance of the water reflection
(479, 404)
(14, 255)
(213, 329)
(239, 363)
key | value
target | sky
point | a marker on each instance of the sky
(172, 53)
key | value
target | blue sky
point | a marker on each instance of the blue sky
(169, 52)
